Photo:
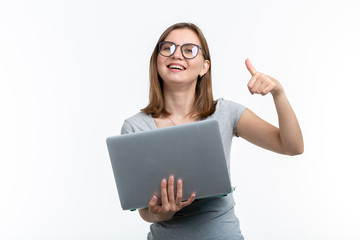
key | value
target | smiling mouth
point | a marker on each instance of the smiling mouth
(175, 66)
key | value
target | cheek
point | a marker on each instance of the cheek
(159, 62)
(197, 66)
(161, 68)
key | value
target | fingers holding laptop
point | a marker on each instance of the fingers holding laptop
(179, 196)
(170, 203)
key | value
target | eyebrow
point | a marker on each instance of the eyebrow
(183, 43)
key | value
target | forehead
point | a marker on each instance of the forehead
(181, 36)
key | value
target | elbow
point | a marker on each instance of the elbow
(297, 151)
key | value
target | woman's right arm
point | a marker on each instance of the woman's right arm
(169, 203)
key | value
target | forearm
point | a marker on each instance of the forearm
(289, 128)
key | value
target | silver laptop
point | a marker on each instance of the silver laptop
(192, 152)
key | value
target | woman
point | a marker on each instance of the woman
(181, 92)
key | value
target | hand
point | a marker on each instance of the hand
(169, 204)
(261, 83)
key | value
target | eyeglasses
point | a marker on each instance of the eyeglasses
(188, 50)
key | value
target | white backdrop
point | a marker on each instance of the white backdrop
(72, 71)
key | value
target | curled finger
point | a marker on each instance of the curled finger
(252, 82)
(255, 83)
(262, 87)
(152, 205)
(267, 90)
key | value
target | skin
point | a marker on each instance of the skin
(179, 94)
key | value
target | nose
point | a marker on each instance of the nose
(177, 54)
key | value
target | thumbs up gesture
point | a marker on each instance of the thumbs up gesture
(261, 83)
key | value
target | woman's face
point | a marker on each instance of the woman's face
(190, 69)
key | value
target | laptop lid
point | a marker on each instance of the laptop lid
(192, 152)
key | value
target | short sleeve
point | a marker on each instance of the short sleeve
(235, 110)
(127, 128)
(228, 114)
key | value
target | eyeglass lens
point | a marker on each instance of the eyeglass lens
(188, 50)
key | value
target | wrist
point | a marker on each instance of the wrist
(278, 92)
(159, 217)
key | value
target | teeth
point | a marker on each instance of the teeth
(176, 67)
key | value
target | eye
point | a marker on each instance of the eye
(194, 50)
(166, 46)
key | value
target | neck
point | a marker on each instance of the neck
(179, 102)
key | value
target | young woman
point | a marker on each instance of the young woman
(181, 92)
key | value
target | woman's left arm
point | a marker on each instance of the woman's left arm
(287, 139)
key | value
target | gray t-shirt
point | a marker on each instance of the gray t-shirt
(210, 218)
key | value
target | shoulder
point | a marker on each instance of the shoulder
(140, 116)
(226, 106)
(228, 113)
(136, 123)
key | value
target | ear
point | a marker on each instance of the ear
(205, 68)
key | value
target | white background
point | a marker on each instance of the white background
(72, 71)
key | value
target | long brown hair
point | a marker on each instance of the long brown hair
(204, 104)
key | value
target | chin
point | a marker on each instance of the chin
(178, 80)
(173, 81)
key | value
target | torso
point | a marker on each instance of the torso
(209, 218)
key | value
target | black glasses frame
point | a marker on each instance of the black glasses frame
(181, 48)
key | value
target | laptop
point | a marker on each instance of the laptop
(192, 152)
